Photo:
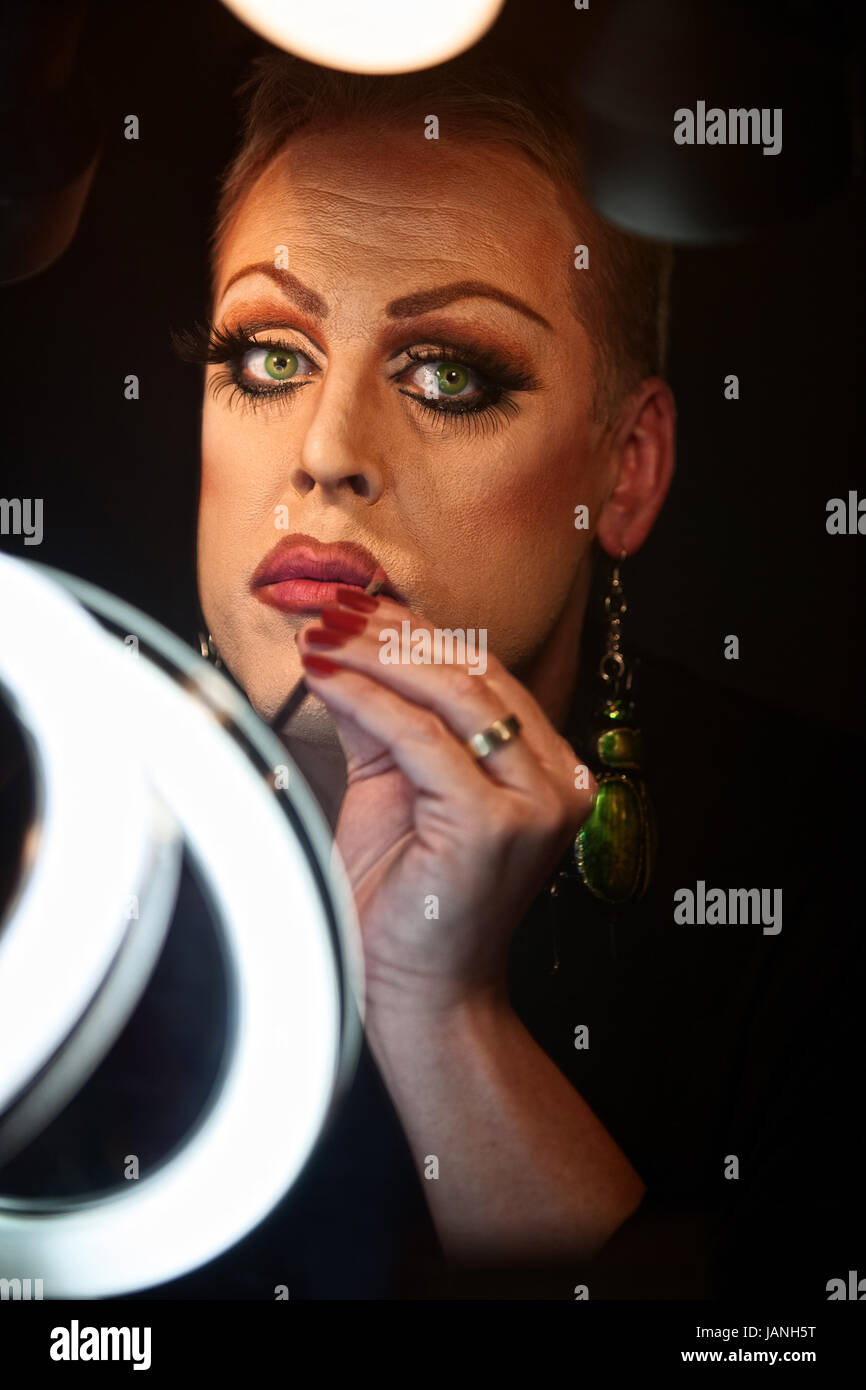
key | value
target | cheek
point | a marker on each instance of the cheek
(236, 478)
(219, 454)
(212, 496)
(225, 505)
(500, 543)
(509, 528)
(215, 481)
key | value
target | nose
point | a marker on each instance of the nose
(340, 452)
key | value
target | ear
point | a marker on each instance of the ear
(642, 468)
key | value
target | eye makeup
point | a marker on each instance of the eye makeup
(206, 342)
(497, 375)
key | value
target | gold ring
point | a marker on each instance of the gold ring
(499, 732)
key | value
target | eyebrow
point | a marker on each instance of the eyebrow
(291, 286)
(409, 306)
(412, 305)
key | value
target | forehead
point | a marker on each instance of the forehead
(359, 207)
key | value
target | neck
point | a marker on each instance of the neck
(323, 766)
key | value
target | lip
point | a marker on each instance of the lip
(299, 573)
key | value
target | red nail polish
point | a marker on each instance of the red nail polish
(320, 664)
(331, 616)
(327, 637)
(357, 599)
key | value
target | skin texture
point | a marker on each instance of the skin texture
(473, 519)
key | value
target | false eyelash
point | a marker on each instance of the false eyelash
(475, 419)
(250, 397)
(485, 362)
(204, 343)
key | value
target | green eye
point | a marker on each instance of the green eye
(452, 378)
(280, 365)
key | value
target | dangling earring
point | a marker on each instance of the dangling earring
(208, 648)
(614, 850)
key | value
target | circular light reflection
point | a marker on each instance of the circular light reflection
(376, 36)
(286, 1049)
(98, 837)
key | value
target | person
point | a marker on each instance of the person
(427, 357)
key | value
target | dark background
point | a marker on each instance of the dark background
(741, 545)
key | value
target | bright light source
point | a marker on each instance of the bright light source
(370, 35)
(116, 736)
(100, 837)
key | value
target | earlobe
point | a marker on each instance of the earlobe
(644, 458)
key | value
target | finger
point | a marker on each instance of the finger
(563, 763)
(420, 744)
(504, 695)
(464, 702)
(537, 729)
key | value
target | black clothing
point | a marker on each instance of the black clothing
(708, 1041)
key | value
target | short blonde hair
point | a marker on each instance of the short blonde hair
(623, 300)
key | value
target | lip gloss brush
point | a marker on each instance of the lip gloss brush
(300, 690)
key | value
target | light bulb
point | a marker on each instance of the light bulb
(374, 36)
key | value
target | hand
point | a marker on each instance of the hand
(444, 853)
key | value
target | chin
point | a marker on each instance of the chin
(311, 723)
(266, 670)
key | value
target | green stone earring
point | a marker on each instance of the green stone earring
(614, 850)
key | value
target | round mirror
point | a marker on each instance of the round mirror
(180, 974)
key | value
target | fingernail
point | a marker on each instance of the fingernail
(327, 637)
(378, 581)
(331, 616)
(319, 664)
(357, 599)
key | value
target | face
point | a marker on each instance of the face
(413, 381)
